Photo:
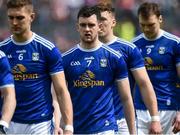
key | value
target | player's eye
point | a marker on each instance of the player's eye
(17, 17)
(103, 19)
(11, 17)
(83, 25)
(20, 17)
(91, 25)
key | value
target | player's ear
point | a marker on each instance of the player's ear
(160, 19)
(32, 16)
(100, 25)
(77, 27)
(113, 22)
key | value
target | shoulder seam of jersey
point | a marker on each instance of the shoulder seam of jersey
(70, 51)
(112, 51)
(44, 42)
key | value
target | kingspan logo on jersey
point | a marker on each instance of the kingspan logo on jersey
(177, 85)
(19, 72)
(148, 61)
(149, 64)
(87, 79)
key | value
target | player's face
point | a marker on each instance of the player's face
(107, 23)
(20, 20)
(150, 26)
(88, 28)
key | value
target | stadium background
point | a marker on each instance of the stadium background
(56, 19)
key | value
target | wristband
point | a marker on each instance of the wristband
(69, 128)
(155, 118)
(4, 123)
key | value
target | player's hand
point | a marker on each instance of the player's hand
(155, 127)
(176, 123)
(58, 131)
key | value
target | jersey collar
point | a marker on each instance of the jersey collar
(89, 50)
(23, 43)
(112, 41)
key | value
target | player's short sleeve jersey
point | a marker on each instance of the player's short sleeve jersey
(178, 88)
(178, 93)
(134, 61)
(32, 64)
(90, 75)
(161, 57)
(6, 78)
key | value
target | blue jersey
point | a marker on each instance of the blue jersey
(178, 90)
(161, 57)
(32, 64)
(133, 60)
(178, 93)
(91, 75)
(6, 78)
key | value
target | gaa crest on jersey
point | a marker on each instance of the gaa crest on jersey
(162, 50)
(35, 56)
(103, 62)
(75, 63)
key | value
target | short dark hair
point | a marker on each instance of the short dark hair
(106, 7)
(19, 4)
(87, 11)
(149, 8)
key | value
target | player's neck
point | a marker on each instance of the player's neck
(22, 37)
(107, 38)
(156, 36)
(86, 45)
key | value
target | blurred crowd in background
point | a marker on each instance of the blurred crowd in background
(56, 19)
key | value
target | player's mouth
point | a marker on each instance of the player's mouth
(88, 35)
(15, 28)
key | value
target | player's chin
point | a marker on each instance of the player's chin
(88, 41)
(148, 35)
(101, 34)
(15, 32)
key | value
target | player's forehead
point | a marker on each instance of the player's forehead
(150, 19)
(17, 11)
(106, 13)
(91, 19)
